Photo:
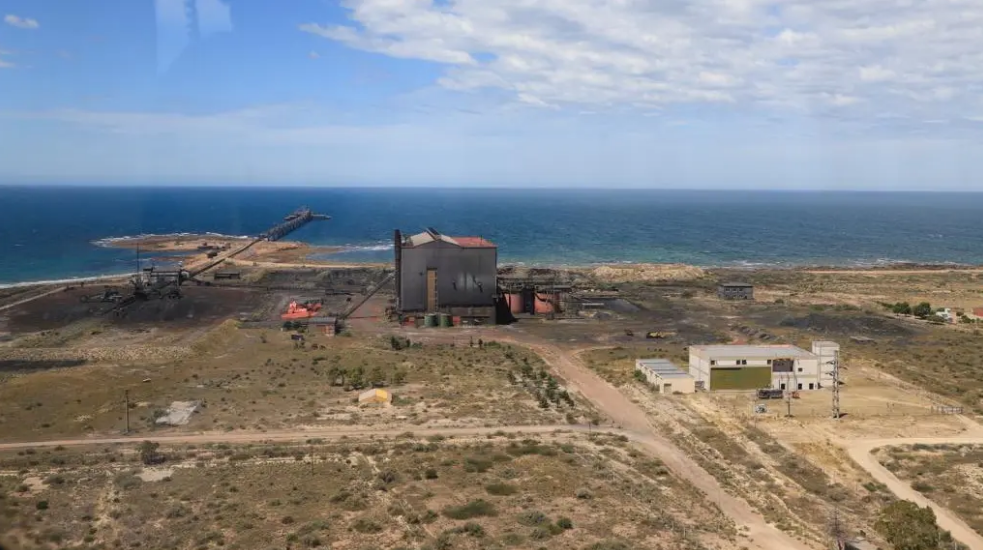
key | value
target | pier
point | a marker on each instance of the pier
(292, 222)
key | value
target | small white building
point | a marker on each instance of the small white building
(665, 376)
(752, 367)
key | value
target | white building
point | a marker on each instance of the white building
(665, 376)
(751, 367)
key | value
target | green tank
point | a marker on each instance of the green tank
(430, 320)
(446, 320)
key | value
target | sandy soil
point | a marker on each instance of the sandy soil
(860, 452)
(632, 418)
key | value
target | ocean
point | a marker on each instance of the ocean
(49, 233)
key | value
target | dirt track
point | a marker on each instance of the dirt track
(860, 452)
(634, 421)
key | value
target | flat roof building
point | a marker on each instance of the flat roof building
(753, 367)
(735, 291)
(665, 376)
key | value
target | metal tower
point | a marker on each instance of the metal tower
(835, 373)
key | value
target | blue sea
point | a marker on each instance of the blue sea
(51, 233)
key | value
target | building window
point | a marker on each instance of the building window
(713, 361)
(800, 386)
(741, 362)
(769, 361)
(782, 387)
(800, 369)
(811, 385)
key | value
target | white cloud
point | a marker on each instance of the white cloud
(314, 55)
(4, 64)
(875, 73)
(21, 22)
(920, 59)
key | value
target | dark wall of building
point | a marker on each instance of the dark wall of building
(741, 378)
(465, 276)
(736, 292)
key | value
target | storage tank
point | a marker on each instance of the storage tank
(546, 302)
(516, 304)
(430, 320)
(446, 320)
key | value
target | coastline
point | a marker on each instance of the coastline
(192, 250)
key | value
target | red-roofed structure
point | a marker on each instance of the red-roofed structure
(436, 273)
(473, 242)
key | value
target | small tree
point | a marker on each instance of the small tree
(901, 308)
(377, 378)
(907, 527)
(399, 376)
(357, 377)
(149, 454)
(922, 310)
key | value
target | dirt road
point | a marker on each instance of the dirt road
(633, 420)
(860, 452)
(32, 298)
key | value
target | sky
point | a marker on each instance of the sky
(749, 94)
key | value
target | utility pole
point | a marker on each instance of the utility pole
(788, 396)
(126, 397)
(836, 384)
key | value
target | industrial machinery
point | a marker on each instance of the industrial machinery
(301, 310)
(108, 295)
(768, 393)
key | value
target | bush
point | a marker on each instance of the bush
(564, 523)
(287, 520)
(474, 509)
(41, 505)
(149, 454)
(533, 518)
(477, 464)
(501, 489)
(584, 494)
(430, 474)
(366, 526)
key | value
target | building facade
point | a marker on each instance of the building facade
(665, 376)
(750, 367)
(735, 291)
(437, 273)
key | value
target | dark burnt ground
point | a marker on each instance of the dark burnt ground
(8, 366)
(641, 308)
(848, 324)
(198, 306)
(344, 280)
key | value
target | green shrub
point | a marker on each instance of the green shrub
(41, 505)
(501, 489)
(474, 509)
(366, 526)
(564, 523)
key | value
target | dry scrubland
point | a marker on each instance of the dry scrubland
(260, 380)
(950, 475)
(561, 491)
(789, 469)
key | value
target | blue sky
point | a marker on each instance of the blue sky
(786, 94)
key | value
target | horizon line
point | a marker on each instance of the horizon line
(383, 187)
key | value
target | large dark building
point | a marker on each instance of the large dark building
(440, 274)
